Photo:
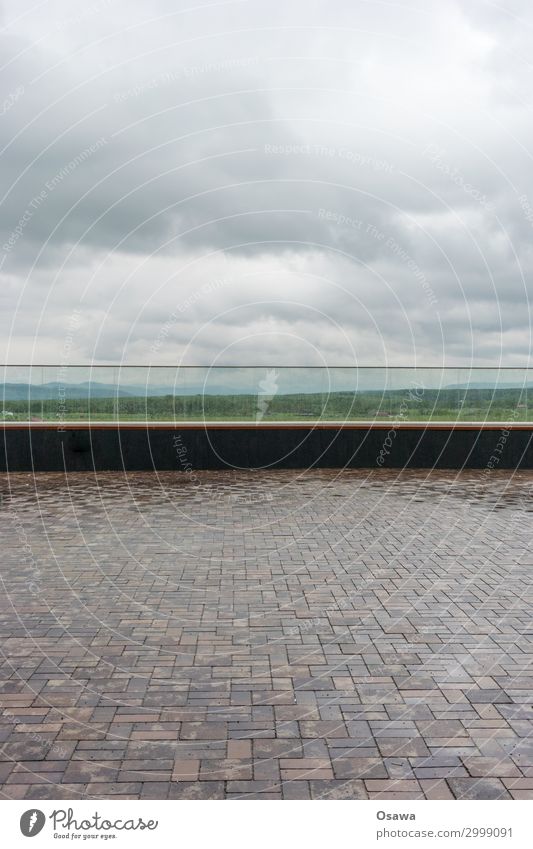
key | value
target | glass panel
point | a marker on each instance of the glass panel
(66, 393)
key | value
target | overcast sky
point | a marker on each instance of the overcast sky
(266, 182)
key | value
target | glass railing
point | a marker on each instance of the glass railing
(62, 394)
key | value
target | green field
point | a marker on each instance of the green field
(400, 405)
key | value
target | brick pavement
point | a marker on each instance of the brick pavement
(267, 635)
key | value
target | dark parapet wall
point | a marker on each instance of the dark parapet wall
(27, 448)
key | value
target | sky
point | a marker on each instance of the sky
(248, 183)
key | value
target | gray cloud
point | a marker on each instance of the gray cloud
(362, 185)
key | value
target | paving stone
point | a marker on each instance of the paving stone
(500, 767)
(15, 791)
(322, 728)
(197, 790)
(305, 763)
(478, 788)
(518, 783)
(226, 770)
(394, 785)
(155, 790)
(305, 774)
(359, 768)
(185, 770)
(402, 747)
(58, 791)
(338, 789)
(254, 789)
(126, 789)
(296, 790)
(319, 647)
(203, 731)
(79, 772)
(239, 749)
(435, 789)
(32, 778)
(440, 772)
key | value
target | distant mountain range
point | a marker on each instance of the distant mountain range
(48, 391)
(513, 385)
(92, 389)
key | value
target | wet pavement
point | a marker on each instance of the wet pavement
(292, 635)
